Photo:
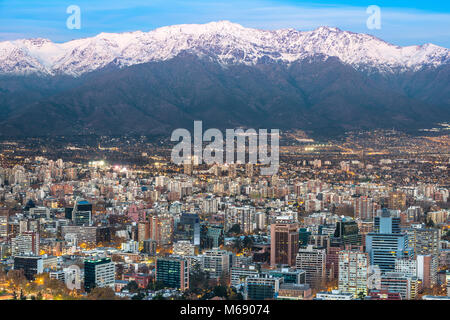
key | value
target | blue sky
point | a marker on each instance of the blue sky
(403, 22)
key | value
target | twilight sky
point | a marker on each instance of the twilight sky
(403, 22)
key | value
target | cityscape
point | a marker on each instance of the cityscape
(350, 219)
(224, 159)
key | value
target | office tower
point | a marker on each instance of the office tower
(262, 287)
(363, 208)
(82, 213)
(173, 272)
(25, 243)
(386, 223)
(188, 228)
(313, 262)
(99, 272)
(387, 244)
(4, 217)
(283, 242)
(346, 232)
(384, 249)
(30, 264)
(397, 200)
(211, 236)
(217, 263)
(353, 272)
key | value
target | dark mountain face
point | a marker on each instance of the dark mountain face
(322, 96)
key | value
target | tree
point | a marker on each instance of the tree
(105, 293)
(361, 295)
(198, 280)
(236, 229)
(16, 279)
(248, 242)
(132, 286)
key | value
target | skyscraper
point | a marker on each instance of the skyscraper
(284, 242)
(387, 244)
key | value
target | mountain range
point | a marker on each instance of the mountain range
(324, 81)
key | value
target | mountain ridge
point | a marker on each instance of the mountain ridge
(223, 42)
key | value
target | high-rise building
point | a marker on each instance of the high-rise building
(400, 283)
(25, 243)
(353, 272)
(424, 240)
(82, 213)
(284, 242)
(211, 236)
(313, 262)
(427, 269)
(363, 208)
(173, 272)
(217, 263)
(98, 272)
(188, 228)
(4, 217)
(387, 244)
(346, 233)
(397, 200)
(143, 230)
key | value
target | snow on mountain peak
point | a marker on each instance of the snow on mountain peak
(222, 41)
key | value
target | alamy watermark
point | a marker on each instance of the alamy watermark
(374, 20)
(213, 153)
(74, 20)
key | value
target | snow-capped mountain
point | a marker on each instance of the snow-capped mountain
(223, 42)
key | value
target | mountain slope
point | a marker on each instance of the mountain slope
(316, 94)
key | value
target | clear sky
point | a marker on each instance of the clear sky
(403, 22)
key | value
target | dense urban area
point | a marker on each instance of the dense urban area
(365, 217)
